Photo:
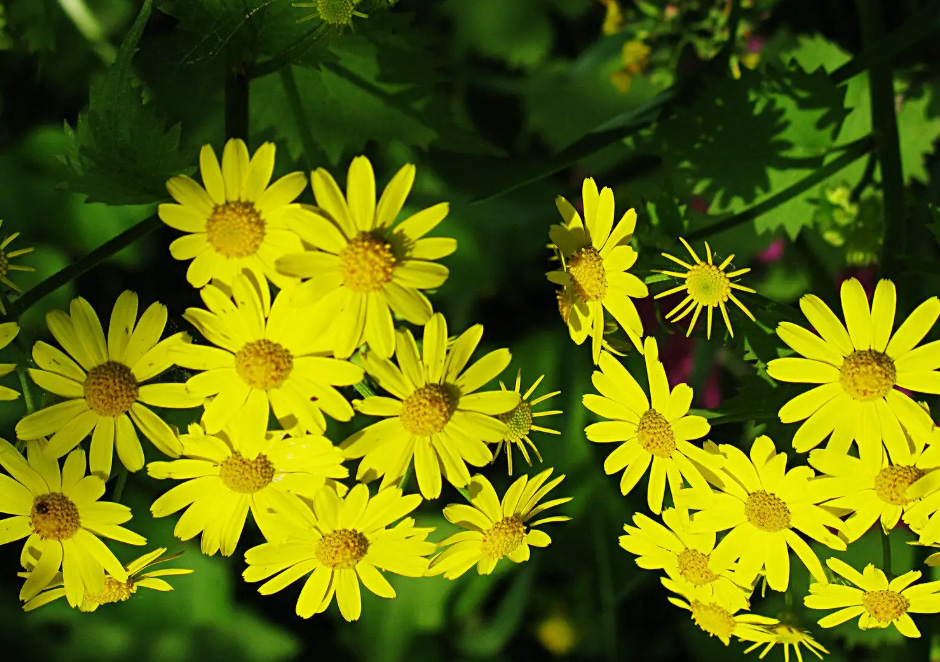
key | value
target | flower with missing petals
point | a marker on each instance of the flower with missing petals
(718, 620)
(519, 421)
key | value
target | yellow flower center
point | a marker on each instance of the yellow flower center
(111, 388)
(655, 434)
(336, 12)
(426, 411)
(564, 305)
(713, 619)
(707, 284)
(891, 483)
(693, 566)
(114, 591)
(343, 548)
(263, 364)
(885, 606)
(503, 537)
(787, 634)
(518, 420)
(235, 229)
(767, 511)
(587, 274)
(246, 476)
(366, 264)
(867, 375)
(54, 516)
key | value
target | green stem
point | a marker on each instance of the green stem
(83, 265)
(885, 129)
(886, 554)
(851, 153)
(236, 101)
(734, 21)
(119, 484)
(27, 389)
(311, 152)
(364, 389)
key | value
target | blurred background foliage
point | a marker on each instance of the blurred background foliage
(759, 144)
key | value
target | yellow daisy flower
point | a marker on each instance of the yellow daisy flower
(519, 421)
(763, 506)
(61, 517)
(8, 331)
(435, 415)
(340, 543)
(653, 435)
(595, 259)
(116, 590)
(497, 530)
(707, 286)
(718, 620)
(103, 387)
(877, 602)
(872, 488)
(860, 371)
(684, 556)
(243, 468)
(922, 512)
(237, 219)
(6, 266)
(787, 636)
(263, 352)
(362, 269)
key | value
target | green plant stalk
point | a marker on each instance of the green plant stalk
(83, 265)
(886, 554)
(851, 153)
(27, 390)
(885, 130)
(311, 152)
(119, 484)
(236, 101)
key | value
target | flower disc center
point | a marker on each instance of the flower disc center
(655, 434)
(426, 411)
(235, 229)
(263, 364)
(111, 388)
(708, 285)
(713, 619)
(892, 482)
(588, 277)
(868, 375)
(367, 264)
(342, 548)
(503, 537)
(54, 516)
(767, 511)
(885, 606)
(518, 420)
(693, 566)
(246, 476)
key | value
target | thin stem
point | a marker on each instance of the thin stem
(885, 129)
(311, 152)
(27, 390)
(364, 389)
(886, 554)
(734, 20)
(119, 484)
(851, 153)
(83, 265)
(236, 101)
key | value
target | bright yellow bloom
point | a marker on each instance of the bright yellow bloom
(720, 621)
(872, 488)
(263, 352)
(497, 530)
(684, 556)
(6, 266)
(877, 602)
(557, 633)
(860, 371)
(519, 421)
(706, 286)
(435, 416)
(342, 542)
(922, 512)
(103, 386)
(235, 220)
(653, 435)
(245, 467)
(8, 331)
(762, 506)
(361, 269)
(595, 257)
(61, 517)
(116, 590)
(787, 636)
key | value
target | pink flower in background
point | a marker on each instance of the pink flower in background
(773, 253)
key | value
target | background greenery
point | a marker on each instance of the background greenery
(760, 143)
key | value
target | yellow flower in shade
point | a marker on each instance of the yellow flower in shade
(245, 468)
(263, 352)
(102, 383)
(877, 602)
(684, 556)
(653, 435)
(116, 590)
(237, 219)
(436, 415)
(519, 422)
(859, 371)
(497, 530)
(61, 517)
(718, 620)
(361, 269)
(595, 257)
(763, 506)
(707, 285)
(872, 488)
(788, 636)
(558, 633)
(340, 543)
(8, 331)
(6, 266)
